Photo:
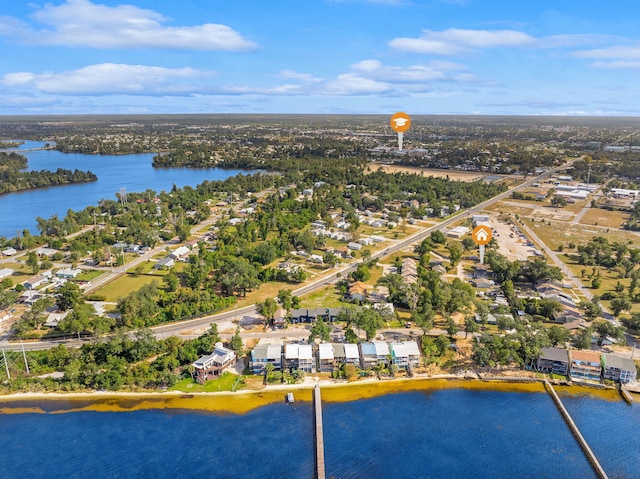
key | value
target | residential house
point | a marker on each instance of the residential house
(209, 366)
(409, 271)
(354, 246)
(618, 368)
(554, 361)
(585, 365)
(346, 353)
(6, 272)
(35, 282)
(46, 252)
(163, 263)
(358, 291)
(9, 252)
(5, 314)
(54, 318)
(405, 354)
(264, 354)
(68, 273)
(374, 353)
(179, 252)
(300, 357)
(326, 357)
(310, 315)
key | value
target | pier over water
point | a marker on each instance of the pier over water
(593, 460)
(317, 402)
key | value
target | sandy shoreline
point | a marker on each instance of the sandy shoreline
(244, 401)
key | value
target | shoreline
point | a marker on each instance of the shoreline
(245, 401)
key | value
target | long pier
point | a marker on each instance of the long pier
(591, 457)
(317, 402)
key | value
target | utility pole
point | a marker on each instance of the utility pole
(6, 364)
(24, 355)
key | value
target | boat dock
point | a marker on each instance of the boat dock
(591, 457)
(317, 403)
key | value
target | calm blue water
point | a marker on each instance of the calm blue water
(612, 431)
(133, 172)
(441, 434)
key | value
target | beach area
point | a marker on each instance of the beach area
(244, 401)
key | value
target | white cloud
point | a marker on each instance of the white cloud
(624, 52)
(454, 41)
(634, 65)
(353, 84)
(110, 78)
(304, 77)
(86, 24)
(411, 74)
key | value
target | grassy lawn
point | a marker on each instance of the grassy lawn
(89, 274)
(559, 232)
(327, 297)
(20, 269)
(124, 285)
(226, 382)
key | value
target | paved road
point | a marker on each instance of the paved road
(338, 272)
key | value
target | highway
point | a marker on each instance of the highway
(175, 329)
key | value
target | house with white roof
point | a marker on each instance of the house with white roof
(300, 357)
(347, 353)
(6, 272)
(405, 354)
(326, 357)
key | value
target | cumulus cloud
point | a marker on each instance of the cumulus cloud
(110, 78)
(455, 41)
(86, 24)
(304, 77)
(410, 74)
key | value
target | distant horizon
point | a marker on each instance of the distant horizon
(336, 57)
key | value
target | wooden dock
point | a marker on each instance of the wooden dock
(317, 402)
(591, 457)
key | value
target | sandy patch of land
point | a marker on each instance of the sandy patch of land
(511, 244)
(452, 175)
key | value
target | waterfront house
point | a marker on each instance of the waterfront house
(585, 365)
(326, 357)
(405, 354)
(554, 361)
(211, 365)
(300, 357)
(618, 368)
(347, 353)
(264, 354)
(374, 353)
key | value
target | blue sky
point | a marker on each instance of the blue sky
(504, 57)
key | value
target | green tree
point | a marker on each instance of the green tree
(455, 252)
(558, 335)
(32, 262)
(470, 326)
(619, 304)
(285, 298)
(236, 342)
(321, 330)
(69, 296)
(267, 308)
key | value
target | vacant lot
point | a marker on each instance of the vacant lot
(608, 219)
(452, 175)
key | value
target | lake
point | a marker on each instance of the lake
(451, 433)
(133, 172)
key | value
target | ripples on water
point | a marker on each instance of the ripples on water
(454, 433)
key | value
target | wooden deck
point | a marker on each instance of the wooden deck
(317, 402)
